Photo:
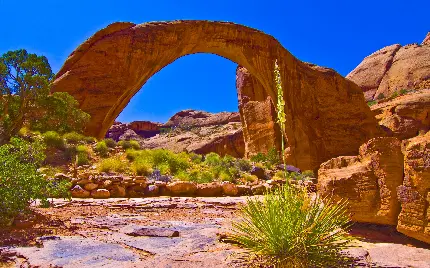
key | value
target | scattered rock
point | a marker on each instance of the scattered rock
(151, 190)
(259, 172)
(100, 193)
(154, 232)
(230, 189)
(182, 188)
(78, 192)
(244, 190)
(209, 189)
(90, 186)
(117, 191)
(258, 189)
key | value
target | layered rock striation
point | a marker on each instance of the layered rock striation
(394, 68)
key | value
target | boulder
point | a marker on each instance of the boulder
(90, 186)
(230, 189)
(414, 194)
(244, 190)
(151, 190)
(392, 69)
(100, 193)
(182, 188)
(368, 181)
(405, 116)
(78, 192)
(258, 172)
(117, 191)
(209, 189)
(258, 189)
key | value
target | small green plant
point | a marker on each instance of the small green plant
(308, 174)
(124, 144)
(53, 139)
(395, 94)
(110, 142)
(112, 164)
(135, 144)
(141, 168)
(380, 96)
(243, 164)
(213, 159)
(259, 158)
(372, 102)
(290, 229)
(82, 155)
(403, 92)
(74, 138)
(273, 156)
(102, 149)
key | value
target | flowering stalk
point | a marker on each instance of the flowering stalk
(280, 109)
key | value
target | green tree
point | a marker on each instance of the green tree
(25, 97)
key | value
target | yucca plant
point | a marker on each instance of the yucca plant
(287, 228)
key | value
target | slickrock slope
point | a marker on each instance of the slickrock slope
(394, 68)
(406, 116)
(414, 194)
(326, 113)
(368, 181)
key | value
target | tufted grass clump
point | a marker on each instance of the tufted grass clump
(131, 144)
(110, 142)
(74, 138)
(112, 164)
(82, 155)
(288, 228)
(53, 139)
(102, 149)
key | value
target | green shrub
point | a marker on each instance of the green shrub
(195, 158)
(195, 175)
(243, 164)
(74, 138)
(112, 164)
(89, 139)
(58, 189)
(20, 181)
(213, 159)
(289, 229)
(110, 143)
(308, 174)
(380, 96)
(141, 168)
(135, 144)
(102, 149)
(125, 144)
(132, 154)
(225, 176)
(53, 139)
(403, 92)
(395, 94)
(273, 156)
(82, 153)
(371, 103)
(259, 157)
(249, 178)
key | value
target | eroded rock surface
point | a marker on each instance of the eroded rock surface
(326, 113)
(405, 116)
(414, 194)
(368, 181)
(195, 118)
(394, 68)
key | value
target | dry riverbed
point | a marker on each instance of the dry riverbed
(166, 232)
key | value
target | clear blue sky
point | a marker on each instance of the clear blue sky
(336, 34)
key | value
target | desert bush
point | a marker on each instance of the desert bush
(53, 139)
(380, 96)
(74, 138)
(248, 178)
(308, 174)
(243, 164)
(141, 168)
(195, 158)
(82, 155)
(20, 181)
(213, 159)
(259, 157)
(112, 164)
(102, 149)
(403, 92)
(395, 94)
(289, 229)
(124, 144)
(195, 175)
(134, 144)
(371, 103)
(110, 142)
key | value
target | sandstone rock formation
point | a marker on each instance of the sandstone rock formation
(368, 181)
(194, 118)
(145, 129)
(414, 194)
(326, 114)
(394, 68)
(406, 116)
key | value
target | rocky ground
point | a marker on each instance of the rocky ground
(167, 232)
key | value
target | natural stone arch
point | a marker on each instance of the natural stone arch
(326, 114)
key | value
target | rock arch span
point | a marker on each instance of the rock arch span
(326, 113)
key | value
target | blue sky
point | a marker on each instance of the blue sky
(336, 34)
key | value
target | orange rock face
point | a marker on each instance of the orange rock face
(414, 194)
(326, 114)
(394, 68)
(368, 181)
(144, 126)
(406, 116)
